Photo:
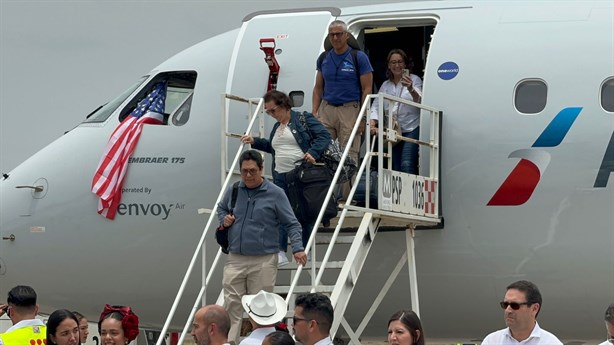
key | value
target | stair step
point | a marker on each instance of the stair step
(341, 239)
(303, 289)
(293, 266)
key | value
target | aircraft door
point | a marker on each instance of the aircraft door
(298, 39)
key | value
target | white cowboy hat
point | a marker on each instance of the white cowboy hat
(264, 308)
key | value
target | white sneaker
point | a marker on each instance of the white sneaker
(282, 259)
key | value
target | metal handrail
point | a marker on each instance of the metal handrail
(203, 237)
(311, 241)
(317, 274)
(365, 109)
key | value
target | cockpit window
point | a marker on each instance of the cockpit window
(178, 104)
(103, 113)
(179, 91)
(182, 114)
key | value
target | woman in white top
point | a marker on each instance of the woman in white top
(404, 155)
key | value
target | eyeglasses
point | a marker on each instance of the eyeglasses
(396, 62)
(296, 319)
(251, 171)
(514, 305)
(271, 111)
(336, 34)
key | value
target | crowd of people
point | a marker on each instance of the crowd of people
(312, 320)
(117, 325)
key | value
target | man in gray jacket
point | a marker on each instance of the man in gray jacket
(253, 236)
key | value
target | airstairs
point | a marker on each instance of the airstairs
(405, 202)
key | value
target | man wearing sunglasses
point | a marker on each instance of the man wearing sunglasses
(313, 318)
(253, 236)
(21, 308)
(521, 305)
(609, 325)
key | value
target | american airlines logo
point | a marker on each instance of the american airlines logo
(522, 181)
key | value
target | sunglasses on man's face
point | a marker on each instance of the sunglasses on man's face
(513, 305)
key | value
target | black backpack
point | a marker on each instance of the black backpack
(221, 233)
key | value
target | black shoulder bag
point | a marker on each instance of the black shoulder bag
(221, 233)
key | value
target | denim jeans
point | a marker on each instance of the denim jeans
(280, 180)
(405, 155)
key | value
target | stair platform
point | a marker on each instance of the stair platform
(390, 221)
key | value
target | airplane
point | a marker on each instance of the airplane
(526, 192)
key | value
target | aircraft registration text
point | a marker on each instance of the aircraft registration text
(408, 193)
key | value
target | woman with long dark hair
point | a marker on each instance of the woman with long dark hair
(405, 328)
(62, 328)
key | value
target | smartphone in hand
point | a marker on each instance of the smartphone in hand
(406, 72)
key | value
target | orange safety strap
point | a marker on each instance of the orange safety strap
(271, 61)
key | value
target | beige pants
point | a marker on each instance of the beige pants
(340, 121)
(245, 275)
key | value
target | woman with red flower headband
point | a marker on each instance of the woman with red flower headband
(118, 325)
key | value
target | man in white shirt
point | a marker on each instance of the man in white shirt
(22, 309)
(313, 318)
(521, 305)
(609, 325)
(264, 309)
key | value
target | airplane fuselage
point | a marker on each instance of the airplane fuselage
(526, 188)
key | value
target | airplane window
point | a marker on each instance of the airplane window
(174, 97)
(297, 97)
(181, 116)
(531, 96)
(180, 86)
(104, 112)
(607, 95)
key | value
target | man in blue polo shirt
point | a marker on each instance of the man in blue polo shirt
(341, 87)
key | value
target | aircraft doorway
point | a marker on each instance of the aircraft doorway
(379, 40)
(412, 36)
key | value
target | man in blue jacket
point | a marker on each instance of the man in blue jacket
(253, 236)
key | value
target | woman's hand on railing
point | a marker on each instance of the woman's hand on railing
(247, 139)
